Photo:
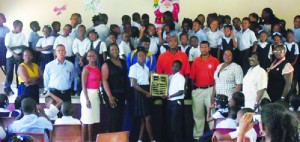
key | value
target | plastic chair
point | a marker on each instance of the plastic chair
(66, 133)
(113, 137)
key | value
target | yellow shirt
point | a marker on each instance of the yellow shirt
(31, 73)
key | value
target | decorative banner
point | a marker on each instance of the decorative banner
(59, 10)
(92, 6)
(161, 6)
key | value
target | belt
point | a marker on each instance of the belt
(203, 87)
(58, 91)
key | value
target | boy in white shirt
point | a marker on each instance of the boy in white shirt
(198, 32)
(251, 134)
(67, 118)
(175, 103)
(15, 42)
(195, 49)
(52, 104)
(33, 37)
(124, 46)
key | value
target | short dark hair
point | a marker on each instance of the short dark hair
(141, 49)
(69, 26)
(67, 109)
(136, 17)
(178, 62)
(145, 39)
(17, 23)
(205, 42)
(184, 34)
(33, 23)
(28, 105)
(239, 99)
(228, 26)
(198, 21)
(55, 23)
(246, 19)
(246, 110)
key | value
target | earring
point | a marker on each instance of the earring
(262, 133)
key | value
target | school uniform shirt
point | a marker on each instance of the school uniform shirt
(74, 32)
(153, 47)
(194, 53)
(190, 33)
(103, 47)
(296, 34)
(52, 112)
(176, 83)
(31, 124)
(251, 134)
(3, 31)
(200, 35)
(163, 48)
(267, 28)
(247, 39)
(124, 48)
(237, 34)
(186, 49)
(102, 30)
(255, 79)
(33, 37)
(227, 123)
(140, 73)
(14, 39)
(219, 114)
(136, 24)
(213, 38)
(134, 41)
(67, 42)
(228, 78)
(81, 47)
(290, 45)
(227, 39)
(264, 45)
(44, 42)
(67, 120)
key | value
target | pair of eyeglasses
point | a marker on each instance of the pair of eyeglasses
(252, 59)
(277, 51)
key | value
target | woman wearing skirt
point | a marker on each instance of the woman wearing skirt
(89, 98)
(139, 76)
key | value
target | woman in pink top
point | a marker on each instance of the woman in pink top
(89, 98)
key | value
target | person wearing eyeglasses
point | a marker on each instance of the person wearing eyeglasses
(280, 75)
(254, 83)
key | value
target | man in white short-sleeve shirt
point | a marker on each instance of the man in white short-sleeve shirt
(15, 42)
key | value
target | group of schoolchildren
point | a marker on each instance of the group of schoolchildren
(78, 40)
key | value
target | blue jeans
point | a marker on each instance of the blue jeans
(10, 63)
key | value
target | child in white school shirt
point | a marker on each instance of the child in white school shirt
(125, 45)
(52, 104)
(67, 118)
(15, 42)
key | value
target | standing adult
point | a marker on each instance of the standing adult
(28, 75)
(3, 31)
(228, 76)
(59, 74)
(115, 83)
(254, 83)
(280, 75)
(89, 98)
(202, 78)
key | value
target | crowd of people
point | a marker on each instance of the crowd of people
(241, 62)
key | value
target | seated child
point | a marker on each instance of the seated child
(17, 111)
(4, 112)
(221, 104)
(229, 122)
(67, 111)
(53, 104)
(251, 134)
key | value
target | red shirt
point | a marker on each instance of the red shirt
(202, 71)
(94, 78)
(165, 62)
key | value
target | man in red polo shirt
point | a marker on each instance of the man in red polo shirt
(202, 77)
(165, 60)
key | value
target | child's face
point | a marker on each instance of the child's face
(201, 19)
(214, 25)
(276, 28)
(141, 57)
(46, 32)
(66, 31)
(175, 67)
(297, 23)
(117, 30)
(227, 20)
(75, 19)
(151, 30)
(93, 36)
(167, 28)
(56, 27)
(112, 39)
(263, 37)
(81, 31)
(245, 24)
(196, 26)
(290, 37)
(184, 39)
(277, 40)
(227, 31)
(36, 28)
(185, 27)
(252, 19)
(236, 23)
(194, 42)
(19, 28)
(125, 37)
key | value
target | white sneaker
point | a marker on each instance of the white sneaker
(139, 141)
(292, 109)
(153, 141)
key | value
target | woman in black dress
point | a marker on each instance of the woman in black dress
(115, 83)
(280, 75)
